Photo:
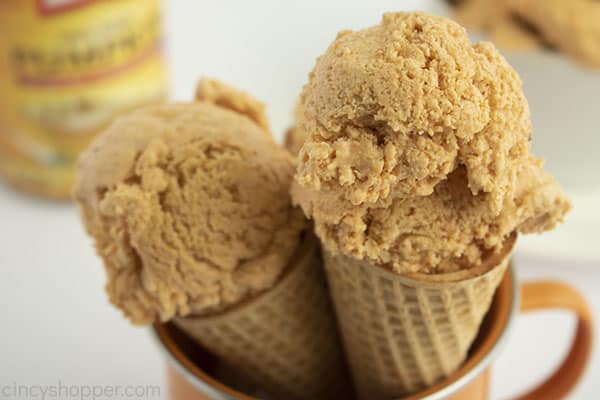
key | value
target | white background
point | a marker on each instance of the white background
(56, 322)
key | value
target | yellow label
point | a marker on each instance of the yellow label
(67, 68)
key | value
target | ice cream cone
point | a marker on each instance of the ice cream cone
(403, 333)
(285, 341)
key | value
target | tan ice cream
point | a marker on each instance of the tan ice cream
(295, 137)
(571, 26)
(216, 92)
(189, 207)
(418, 154)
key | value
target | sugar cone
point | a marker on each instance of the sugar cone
(404, 333)
(284, 342)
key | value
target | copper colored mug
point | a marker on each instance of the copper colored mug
(190, 368)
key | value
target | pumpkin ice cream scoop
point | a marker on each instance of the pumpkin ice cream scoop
(417, 172)
(189, 208)
(418, 148)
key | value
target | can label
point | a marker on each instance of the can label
(67, 68)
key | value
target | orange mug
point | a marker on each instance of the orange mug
(190, 368)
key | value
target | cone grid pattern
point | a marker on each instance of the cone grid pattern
(285, 341)
(402, 335)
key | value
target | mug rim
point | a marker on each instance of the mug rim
(478, 360)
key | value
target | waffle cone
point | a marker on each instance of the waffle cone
(285, 341)
(404, 333)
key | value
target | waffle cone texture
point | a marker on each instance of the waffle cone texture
(284, 342)
(404, 333)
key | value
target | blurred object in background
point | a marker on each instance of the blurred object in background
(571, 27)
(67, 67)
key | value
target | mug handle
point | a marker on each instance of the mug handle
(557, 295)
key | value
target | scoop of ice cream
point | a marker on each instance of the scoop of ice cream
(295, 136)
(570, 26)
(452, 229)
(415, 134)
(189, 207)
(294, 139)
(449, 230)
(392, 109)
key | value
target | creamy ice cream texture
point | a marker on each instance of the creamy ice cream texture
(571, 26)
(189, 205)
(295, 137)
(418, 155)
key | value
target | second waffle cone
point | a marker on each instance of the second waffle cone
(285, 341)
(404, 333)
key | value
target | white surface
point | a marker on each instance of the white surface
(57, 324)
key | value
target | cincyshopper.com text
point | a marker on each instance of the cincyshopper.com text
(64, 391)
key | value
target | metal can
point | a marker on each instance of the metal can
(67, 68)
